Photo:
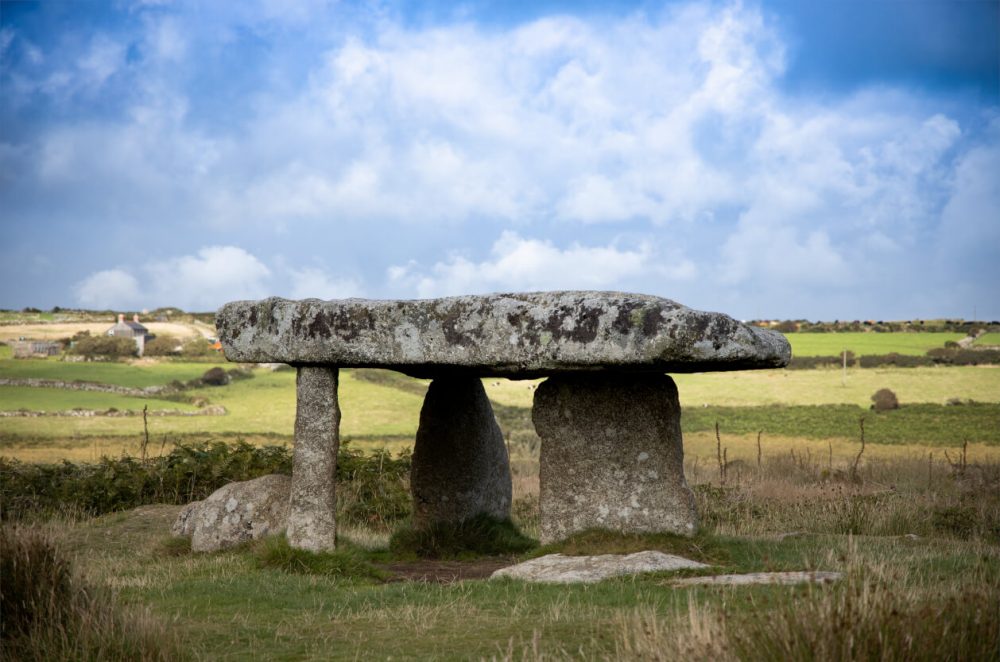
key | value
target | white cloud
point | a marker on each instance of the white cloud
(314, 283)
(208, 279)
(531, 264)
(111, 288)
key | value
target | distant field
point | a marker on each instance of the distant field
(752, 388)
(832, 344)
(262, 405)
(989, 339)
(56, 331)
(121, 374)
(54, 399)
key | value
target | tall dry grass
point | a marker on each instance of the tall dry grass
(47, 612)
(874, 614)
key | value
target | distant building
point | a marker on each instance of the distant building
(133, 330)
(29, 349)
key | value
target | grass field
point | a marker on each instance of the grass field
(903, 598)
(916, 532)
(861, 343)
(137, 375)
(813, 405)
(54, 399)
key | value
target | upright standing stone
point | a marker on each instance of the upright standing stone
(312, 521)
(460, 466)
(611, 455)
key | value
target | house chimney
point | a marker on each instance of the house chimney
(121, 318)
(135, 318)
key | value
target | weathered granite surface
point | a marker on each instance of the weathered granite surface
(460, 466)
(611, 455)
(236, 513)
(559, 569)
(783, 578)
(514, 335)
(312, 521)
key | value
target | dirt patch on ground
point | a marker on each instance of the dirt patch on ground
(447, 572)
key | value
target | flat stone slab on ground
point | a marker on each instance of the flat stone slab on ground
(786, 578)
(560, 569)
(520, 335)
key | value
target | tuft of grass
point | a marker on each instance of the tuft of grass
(174, 546)
(480, 536)
(48, 613)
(868, 616)
(346, 562)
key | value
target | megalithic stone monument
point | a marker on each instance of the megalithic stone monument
(608, 416)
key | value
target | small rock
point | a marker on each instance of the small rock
(559, 569)
(236, 513)
(785, 578)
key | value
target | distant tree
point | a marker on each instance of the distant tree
(215, 377)
(787, 326)
(196, 347)
(884, 400)
(104, 346)
(163, 345)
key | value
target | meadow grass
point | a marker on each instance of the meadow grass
(262, 405)
(54, 399)
(988, 339)
(817, 386)
(264, 602)
(861, 343)
(135, 375)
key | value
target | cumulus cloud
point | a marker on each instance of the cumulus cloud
(111, 288)
(516, 263)
(670, 127)
(202, 281)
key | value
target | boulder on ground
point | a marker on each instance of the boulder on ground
(236, 513)
(215, 377)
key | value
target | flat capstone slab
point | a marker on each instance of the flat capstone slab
(522, 335)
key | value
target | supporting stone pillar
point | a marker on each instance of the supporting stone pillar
(611, 455)
(460, 466)
(312, 523)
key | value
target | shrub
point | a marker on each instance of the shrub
(164, 345)
(215, 377)
(197, 347)
(884, 400)
(104, 346)
(787, 326)
(371, 490)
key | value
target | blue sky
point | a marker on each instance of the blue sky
(817, 159)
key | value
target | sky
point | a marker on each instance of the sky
(816, 159)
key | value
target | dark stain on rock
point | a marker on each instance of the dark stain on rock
(651, 321)
(455, 336)
(623, 321)
(586, 327)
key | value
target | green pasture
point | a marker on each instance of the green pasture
(55, 399)
(264, 405)
(819, 386)
(120, 374)
(832, 344)
(988, 339)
